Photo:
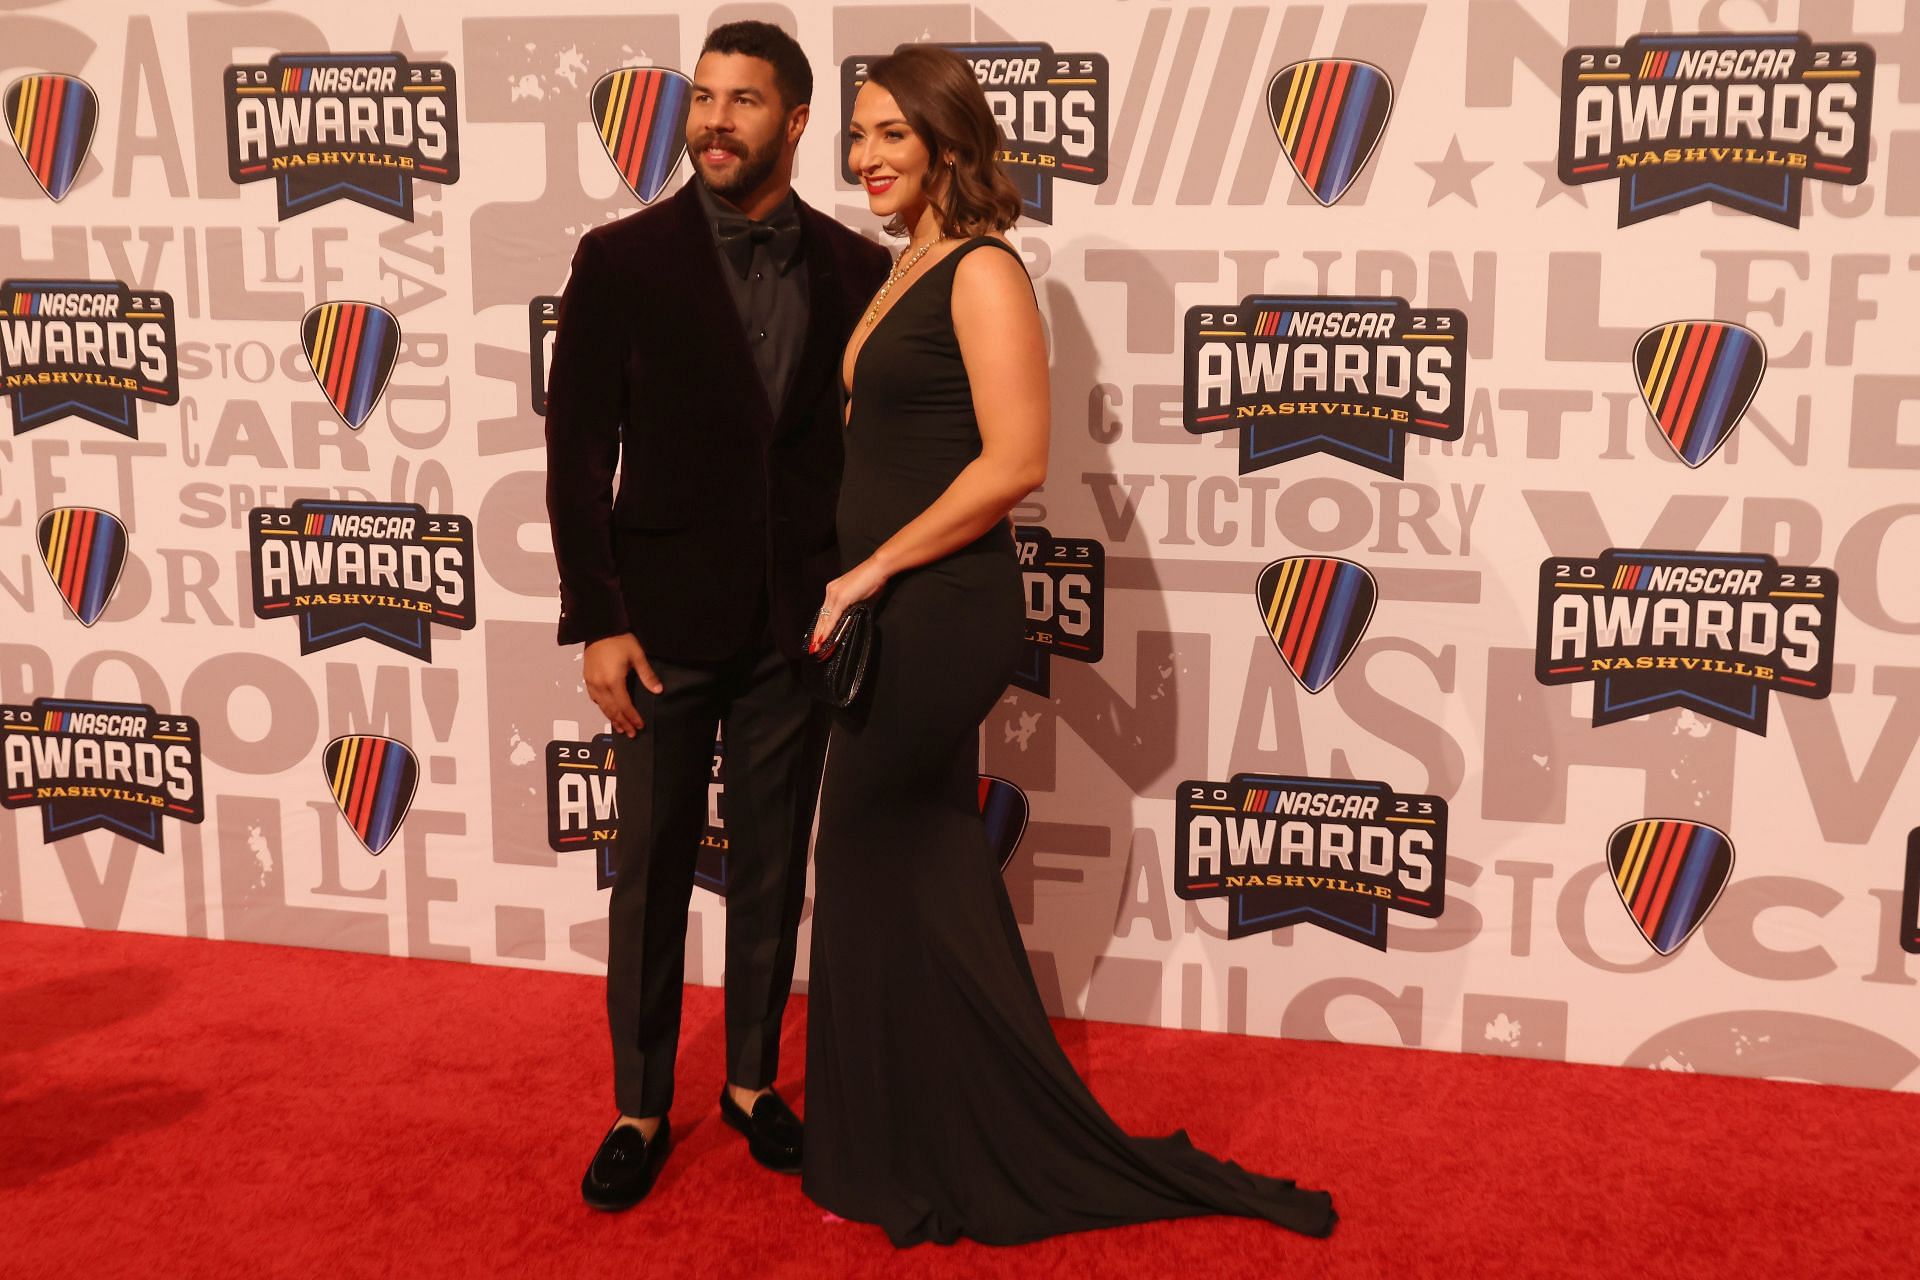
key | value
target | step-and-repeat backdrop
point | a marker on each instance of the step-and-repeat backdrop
(1472, 605)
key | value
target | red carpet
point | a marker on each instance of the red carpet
(172, 1107)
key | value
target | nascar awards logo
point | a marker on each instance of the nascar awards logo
(543, 327)
(1910, 897)
(101, 766)
(583, 809)
(1697, 378)
(342, 126)
(1351, 377)
(351, 348)
(641, 116)
(382, 570)
(1714, 633)
(1051, 109)
(1739, 120)
(1329, 114)
(372, 780)
(1066, 602)
(1331, 852)
(52, 119)
(1315, 608)
(84, 550)
(85, 349)
(1668, 872)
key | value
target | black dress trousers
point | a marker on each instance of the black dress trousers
(775, 743)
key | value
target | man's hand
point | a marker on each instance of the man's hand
(606, 664)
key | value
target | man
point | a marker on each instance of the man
(699, 353)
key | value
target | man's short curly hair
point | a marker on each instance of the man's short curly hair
(792, 74)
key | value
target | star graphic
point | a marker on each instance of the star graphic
(1453, 174)
(1551, 186)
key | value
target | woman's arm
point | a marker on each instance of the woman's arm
(997, 325)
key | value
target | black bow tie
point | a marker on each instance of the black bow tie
(738, 235)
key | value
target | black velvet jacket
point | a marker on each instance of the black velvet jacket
(725, 512)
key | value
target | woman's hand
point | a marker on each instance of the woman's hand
(862, 582)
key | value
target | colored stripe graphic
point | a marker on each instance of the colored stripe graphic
(1003, 809)
(373, 781)
(84, 551)
(1697, 378)
(1669, 873)
(641, 115)
(351, 348)
(1329, 115)
(52, 119)
(1632, 577)
(1315, 609)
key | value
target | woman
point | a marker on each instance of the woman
(938, 1102)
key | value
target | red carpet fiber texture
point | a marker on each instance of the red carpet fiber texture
(171, 1107)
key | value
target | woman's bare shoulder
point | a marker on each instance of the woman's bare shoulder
(992, 270)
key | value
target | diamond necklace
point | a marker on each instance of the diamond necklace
(906, 264)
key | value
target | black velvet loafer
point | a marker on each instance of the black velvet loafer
(625, 1166)
(773, 1131)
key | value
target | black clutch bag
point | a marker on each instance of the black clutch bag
(837, 670)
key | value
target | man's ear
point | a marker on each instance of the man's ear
(797, 122)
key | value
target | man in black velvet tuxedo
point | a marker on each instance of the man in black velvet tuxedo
(699, 354)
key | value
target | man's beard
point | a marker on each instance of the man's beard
(748, 176)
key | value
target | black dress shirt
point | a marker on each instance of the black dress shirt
(770, 296)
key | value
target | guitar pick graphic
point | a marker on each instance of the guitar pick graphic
(351, 347)
(641, 113)
(52, 118)
(1003, 807)
(1697, 378)
(1329, 114)
(84, 551)
(372, 780)
(1316, 609)
(1669, 873)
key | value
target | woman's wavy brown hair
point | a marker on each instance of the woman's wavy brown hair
(942, 102)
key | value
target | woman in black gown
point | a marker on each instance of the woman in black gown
(938, 1102)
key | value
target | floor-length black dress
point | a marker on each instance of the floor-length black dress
(938, 1103)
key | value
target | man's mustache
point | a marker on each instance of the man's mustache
(713, 141)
